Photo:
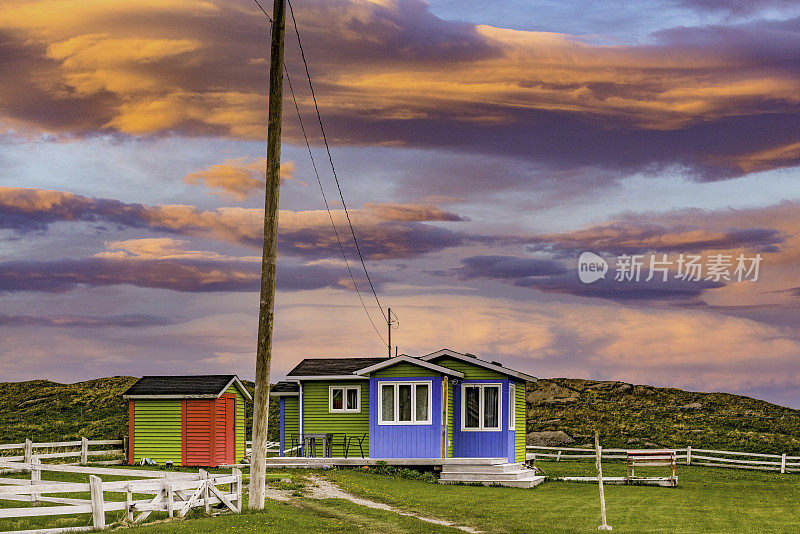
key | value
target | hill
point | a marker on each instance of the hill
(629, 416)
(568, 410)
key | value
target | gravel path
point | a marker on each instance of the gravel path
(323, 489)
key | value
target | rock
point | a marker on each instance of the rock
(692, 406)
(642, 390)
(548, 438)
(651, 445)
(551, 393)
(623, 388)
(551, 421)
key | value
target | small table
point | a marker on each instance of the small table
(310, 444)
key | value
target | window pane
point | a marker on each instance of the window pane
(352, 399)
(387, 403)
(404, 402)
(491, 406)
(471, 407)
(336, 404)
(422, 402)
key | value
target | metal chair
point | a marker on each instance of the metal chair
(359, 440)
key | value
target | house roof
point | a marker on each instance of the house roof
(474, 360)
(285, 389)
(183, 387)
(319, 368)
(413, 361)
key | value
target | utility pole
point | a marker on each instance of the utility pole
(389, 326)
(258, 465)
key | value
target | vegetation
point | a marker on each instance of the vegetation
(49, 411)
(627, 415)
(642, 416)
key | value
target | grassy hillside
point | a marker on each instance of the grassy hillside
(626, 415)
(642, 416)
(49, 411)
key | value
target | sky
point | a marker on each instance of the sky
(481, 148)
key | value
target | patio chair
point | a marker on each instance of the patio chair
(359, 440)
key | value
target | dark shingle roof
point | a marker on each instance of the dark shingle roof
(285, 387)
(180, 385)
(332, 366)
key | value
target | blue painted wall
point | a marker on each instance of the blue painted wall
(482, 444)
(405, 441)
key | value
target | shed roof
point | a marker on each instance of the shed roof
(285, 389)
(331, 367)
(184, 386)
(413, 361)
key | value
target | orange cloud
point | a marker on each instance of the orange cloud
(237, 178)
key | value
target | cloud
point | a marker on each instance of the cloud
(735, 7)
(84, 321)
(163, 248)
(237, 178)
(394, 73)
(194, 276)
(384, 230)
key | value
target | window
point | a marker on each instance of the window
(481, 407)
(405, 403)
(512, 411)
(344, 399)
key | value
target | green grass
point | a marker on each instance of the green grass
(706, 500)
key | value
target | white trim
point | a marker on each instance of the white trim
(239, 384)
(512, 406)
(481, 427)
(413, 384)
(327, 377)
(344, 408)
(412, 361)
(479, 363)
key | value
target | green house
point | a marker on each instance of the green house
(442, 405)
(188, 420)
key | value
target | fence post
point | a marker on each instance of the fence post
(558, 457)
(170, 497)
(84, 451)
(238, 474)
(688, 455)
(129, 502)
(28, 452)
(783, 462)
(98, 513)
(204, 477)
(125, 447)
(36, 477)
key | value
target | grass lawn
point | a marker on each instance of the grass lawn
(706, 500)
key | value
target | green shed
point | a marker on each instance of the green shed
(189, 420)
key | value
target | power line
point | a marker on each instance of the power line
(327, 206)
(325, 198)
(330, 158)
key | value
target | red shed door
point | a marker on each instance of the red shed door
(197, 435)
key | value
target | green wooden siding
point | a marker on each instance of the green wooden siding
(521, 426)
(316, 417)
(291, 424)
(158, 427)
(449, 419)
(404, 369)
(471, 371)
(241, 423)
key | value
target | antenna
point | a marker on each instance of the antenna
(389, 323)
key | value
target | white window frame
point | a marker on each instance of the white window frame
(344, 408)
(413, 384)
(481, 427)
(512, 407)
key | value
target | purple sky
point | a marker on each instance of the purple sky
(480, 150)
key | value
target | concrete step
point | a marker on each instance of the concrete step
(478, 477)
(524, 483)
(501, 468)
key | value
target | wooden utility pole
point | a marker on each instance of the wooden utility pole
(266, 307)
(389, 326)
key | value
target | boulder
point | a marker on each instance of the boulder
(548, 438)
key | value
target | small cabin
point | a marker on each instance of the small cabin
(188, 420)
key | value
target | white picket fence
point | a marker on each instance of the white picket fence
(173, 492)
(783, 463)
(65, 449)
